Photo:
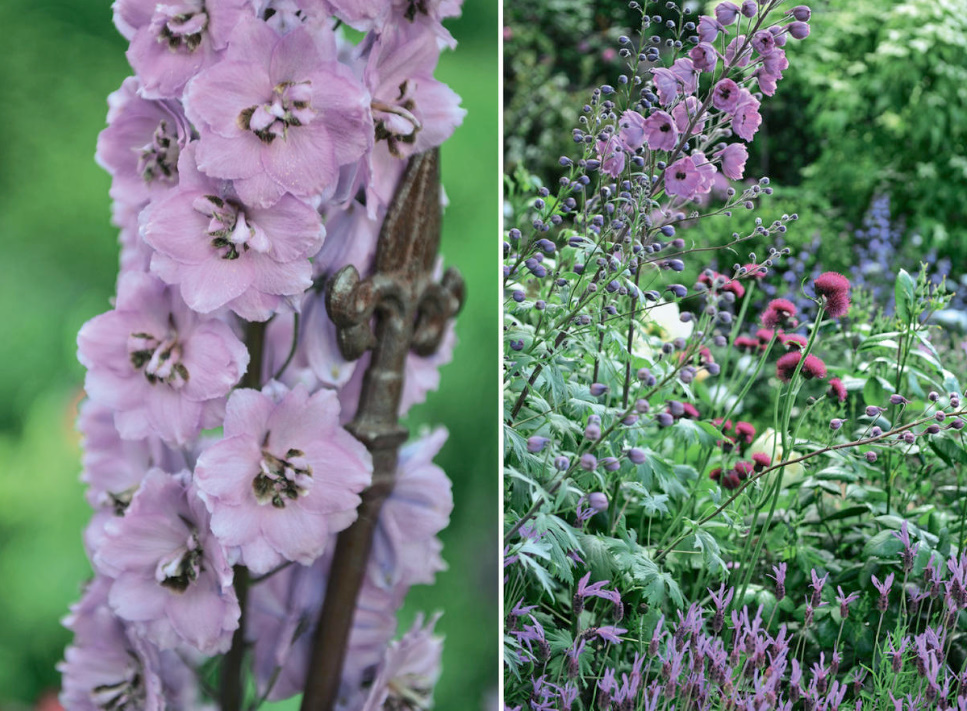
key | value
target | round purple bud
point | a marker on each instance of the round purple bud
(592, 432)
(518, 296)
(933, 429)
(665, 420)
(798, 30)
(536, 443)
(801, 13)
(598, 502)
(873, 411)
(611, 464)
(871, 457)
(598, 389)
(636, 455)
(896, 399)
(642, 406)
(630, 419)
(933, 396)
(749, 8)
(562, 463)
(516, 344)
(588, 462)
(835, 423)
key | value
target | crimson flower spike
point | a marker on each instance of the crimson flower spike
(398, 308)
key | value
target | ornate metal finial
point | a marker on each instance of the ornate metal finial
(398, 308)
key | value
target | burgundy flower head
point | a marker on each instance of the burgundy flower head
(812, 368)
(837, 389)
(779, 313)
(834, 288)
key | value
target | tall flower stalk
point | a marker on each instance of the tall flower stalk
(256, 156)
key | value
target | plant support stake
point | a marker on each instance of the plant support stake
(398, 308)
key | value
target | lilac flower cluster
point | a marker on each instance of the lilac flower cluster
(253, 154)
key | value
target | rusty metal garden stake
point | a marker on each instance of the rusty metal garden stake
(398, 308)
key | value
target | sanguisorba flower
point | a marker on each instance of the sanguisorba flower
(171, 578)
(285, 476)
(834, 289)
(162, 368)
(812, 368)
(278, 114)
(221, 252)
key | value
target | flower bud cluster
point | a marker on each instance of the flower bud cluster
(253, 154)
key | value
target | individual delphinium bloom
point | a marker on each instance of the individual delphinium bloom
(746, 118)
(683, 179)
(733, 158)
(284, 477)
(779, 313)
(365, 15)
(162, 368)
(633, 130)
(704, 57)
(732, 48)
(278, 114)
(708, 28)
(223, 253)
(141, 145)
(405, 548)
(688, 112)
(611, 155)
(833, 289)
(813, 367)
(412, 111)
(726, 95)
(171, 43)
(660, 132)
(706, 171)
(171, 578)
(113, 468)
(681, 78)
(763, 42)
(770, 72)
(836, 390)
(281, 617)
(110, 667)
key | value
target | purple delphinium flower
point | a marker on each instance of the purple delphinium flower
(277, 114)
(113, 468)
(158, 365)
(660, 132)
(172, 42)
(632, 130)
(683, 179)
(171, 576)
(412, 111)
(110, 667)
(405, 548)
(746, 118)
(141, 144)
(284, 477)
(726, 95)
(733, 158)
(282, 613)
(221, 252)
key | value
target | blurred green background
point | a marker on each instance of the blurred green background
(60, 60)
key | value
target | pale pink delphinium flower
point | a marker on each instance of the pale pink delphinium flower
(173, 41)
(284, 477)
(632, 128)
(683, 179)
(661, 134)
(171, 578)
(746, 118)
(733, 158)
(281, 617)
(141, 145)
(409, 670)
(223, 253)
(612, 156)
(278, 114)
(405, 548)
(162, 368)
